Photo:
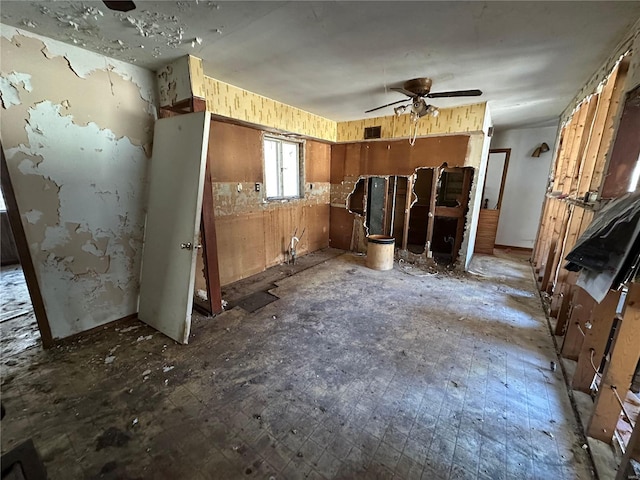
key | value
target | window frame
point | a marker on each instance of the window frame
(301, 147)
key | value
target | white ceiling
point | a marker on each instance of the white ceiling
(337, 59)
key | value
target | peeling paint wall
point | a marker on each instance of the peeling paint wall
(174, 84)
(77, 130)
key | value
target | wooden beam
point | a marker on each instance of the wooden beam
(616, 378)
(565, 303)
(537, 245)
(431, 218)
(567, 147)
(548, 266)
(407, 211)
(208, 230)
(602, 114)
(632, 452)
(563, 234)
(595, 341)
(24, 254)
(582, 305)
(573, 158)
(571, 185)
(602, 161)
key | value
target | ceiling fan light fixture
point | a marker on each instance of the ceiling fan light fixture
(399, 110)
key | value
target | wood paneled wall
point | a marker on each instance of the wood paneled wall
(349, 161)
(254, 234)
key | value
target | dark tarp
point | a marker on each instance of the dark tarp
(608, 252)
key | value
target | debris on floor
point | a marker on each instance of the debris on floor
(351, 381)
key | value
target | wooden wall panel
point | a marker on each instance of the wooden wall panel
(338, 153)
(279, 226)
(487, 229)
(352, 160)
(236, 153)
(241, 250)
(317, 164)
(341, 228)
(317, 221)
(396, 158)
(255, 235)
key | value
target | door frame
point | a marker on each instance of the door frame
(24, 254)
(503, 181)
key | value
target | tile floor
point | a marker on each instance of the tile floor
(353, 373)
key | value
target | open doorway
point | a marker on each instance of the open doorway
(492, 194)
(18, 326)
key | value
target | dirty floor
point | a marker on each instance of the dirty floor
(18, 328)
(352, 373)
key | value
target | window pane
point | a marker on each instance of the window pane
(271, 168)
(290, 170)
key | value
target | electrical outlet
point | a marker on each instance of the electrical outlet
(257, 187)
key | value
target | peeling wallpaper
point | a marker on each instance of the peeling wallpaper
(77, 130)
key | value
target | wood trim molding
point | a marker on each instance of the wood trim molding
(507, 152)
(25, 254)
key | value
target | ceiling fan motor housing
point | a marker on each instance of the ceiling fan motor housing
(418, 86)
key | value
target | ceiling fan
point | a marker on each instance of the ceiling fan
(417, 89)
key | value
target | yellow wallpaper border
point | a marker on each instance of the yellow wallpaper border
(468, 118)
(233, 102)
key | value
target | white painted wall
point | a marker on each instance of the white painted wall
(526, 184)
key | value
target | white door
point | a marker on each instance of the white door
(176, 182)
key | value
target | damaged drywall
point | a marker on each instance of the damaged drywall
(54, 80)
(382, 158)
(236, 198)
(174, 83)
(77, 129)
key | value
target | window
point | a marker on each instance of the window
(282, 168)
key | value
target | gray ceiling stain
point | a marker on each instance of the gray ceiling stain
(338, 59)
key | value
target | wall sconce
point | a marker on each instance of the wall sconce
(541, 149)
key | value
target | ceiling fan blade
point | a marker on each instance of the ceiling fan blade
(119, 5)
(456, 93)
(402, 90)
(387, 105)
